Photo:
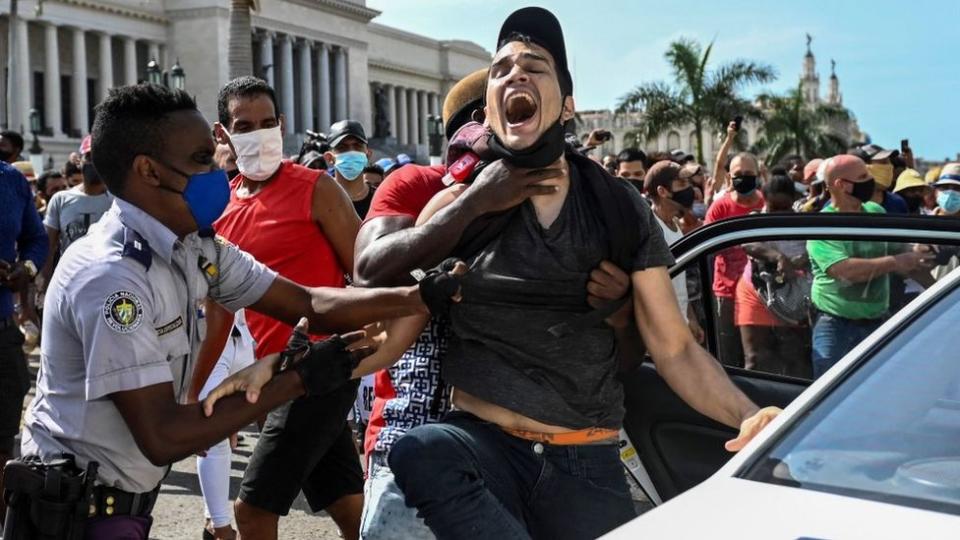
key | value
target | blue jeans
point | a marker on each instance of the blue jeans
(471, 480)
(834, 337)
(385, 514)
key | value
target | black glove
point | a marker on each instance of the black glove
(323, 366)
(439, 286)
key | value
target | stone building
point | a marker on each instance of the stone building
(325, 58)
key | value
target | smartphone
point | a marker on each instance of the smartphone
(738, 121)
(904, 145)
(604, 135)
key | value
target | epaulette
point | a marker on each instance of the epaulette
(136, 248)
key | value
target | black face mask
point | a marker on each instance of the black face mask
(684, 197)
(863, 190)
(90, 175)
(5, 156)
(914, 203)
(745, 184)
(545, 151)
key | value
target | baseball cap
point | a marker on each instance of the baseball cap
(662, 173)
(346, 128)
(909, 179)
(680, 156)
(543, 29)
(949, 175)
(86, 145)
(403, 159)
(872, 152)
(465, 97)
(810, 170)
(386, 164)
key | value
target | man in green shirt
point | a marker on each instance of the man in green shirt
(851, 290)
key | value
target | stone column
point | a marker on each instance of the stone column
(306, 85)
(391, 108)
(435, 104)
(22, 97)
(403, 133)
(81, 118)
(287, 104)
(424, 133)
(266, 59)
(106, 65)
(51, 80)
(153, 53)
(413, 120)
(323, 86)
(130, 70)
(340, 84)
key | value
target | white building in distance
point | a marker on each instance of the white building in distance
(325, 58)
(685, 138)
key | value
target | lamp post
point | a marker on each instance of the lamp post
(154, 73)
(178, 78)
(435, 138)
(36, 151)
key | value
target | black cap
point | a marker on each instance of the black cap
(872, 152)
(543, 29)
(680, 156)
(344, 129)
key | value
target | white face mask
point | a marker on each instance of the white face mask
(259, 153)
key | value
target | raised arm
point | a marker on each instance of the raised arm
(719, 170)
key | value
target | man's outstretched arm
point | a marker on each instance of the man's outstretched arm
(690, 370)
(332, 310)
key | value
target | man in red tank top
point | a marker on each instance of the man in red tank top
(301, 224)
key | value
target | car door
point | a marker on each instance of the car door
(679, 447)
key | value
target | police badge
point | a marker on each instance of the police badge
(123, 312)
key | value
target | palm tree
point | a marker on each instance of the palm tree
(795, 127)
(240, 48)
(702, 97)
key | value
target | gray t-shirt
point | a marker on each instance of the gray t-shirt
(502, 351)
(72, 212)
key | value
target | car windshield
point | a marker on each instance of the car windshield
(891, 430)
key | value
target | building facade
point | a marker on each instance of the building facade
(325, 58)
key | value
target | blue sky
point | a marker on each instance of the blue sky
(898, 62)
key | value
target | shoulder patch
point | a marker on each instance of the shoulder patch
(123, 312)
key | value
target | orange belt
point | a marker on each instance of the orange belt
(592, 435)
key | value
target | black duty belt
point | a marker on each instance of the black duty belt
(108, 502)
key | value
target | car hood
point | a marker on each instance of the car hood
(724, 507)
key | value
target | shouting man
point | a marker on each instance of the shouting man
(531, 450)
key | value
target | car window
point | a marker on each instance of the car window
(891, 431)
(795, 307)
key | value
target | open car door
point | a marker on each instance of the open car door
(678, 447)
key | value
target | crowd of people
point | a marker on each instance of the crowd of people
(185, 282)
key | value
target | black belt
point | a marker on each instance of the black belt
(108, 502)
(7, 323)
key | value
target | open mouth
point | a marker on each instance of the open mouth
(520, 108)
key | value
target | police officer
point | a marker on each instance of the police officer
(121, 321)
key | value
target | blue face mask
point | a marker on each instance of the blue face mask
(949, 201)
(350, 164)
(206, 194)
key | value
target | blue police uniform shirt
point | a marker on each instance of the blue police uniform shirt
(22, 237)
(121, 313)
